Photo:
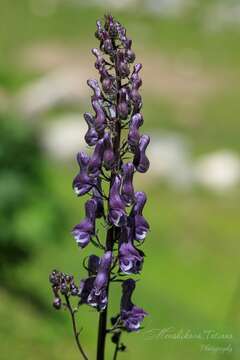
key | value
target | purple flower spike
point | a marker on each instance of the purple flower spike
(82, 232)
(108, 156)
(117, 214)
(130, 259)
(91, 136)
(82, 183)
(96, 159)
(134, 135)
(141, 226)
(127, 185)
(123, 106)
(98, 295)
(107, 177)
(140, 160)
(131, 315)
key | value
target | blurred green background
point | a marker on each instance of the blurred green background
(191, 278)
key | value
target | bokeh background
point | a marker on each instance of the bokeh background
(191, 279)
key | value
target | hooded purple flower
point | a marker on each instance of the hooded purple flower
(91, 136)
(131, 315)
(108, 155)
(140, 160)
(98, 295)
(141, 226)
(127, 184)
(130, 258)
(86, 285)
(95, 162)
(133, 134)
(83, 183)
(117, 214)
(83, 231)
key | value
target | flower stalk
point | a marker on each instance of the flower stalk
(114, 134)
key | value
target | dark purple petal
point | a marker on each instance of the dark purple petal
(100, 117)
(122, 65)
(86, 286)
(98, 295)
(140, 160)
(93, 84)
(97, 196)
(127, 185)
(93, 264)
(130, 259)
(96, 159)
(108, 156)
(117, 214)
(123, 104)
(141, 226)
(131, 315)
(82, 183)
(91, 136)
(134, 135)
(82, 232)
(90, 209)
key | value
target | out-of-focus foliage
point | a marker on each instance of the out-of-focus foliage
(29, 212)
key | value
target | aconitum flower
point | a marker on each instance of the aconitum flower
(106, 175)
(98, 295)
(130, 258)
(83, 183)
(82, 232)
(133, 134)
(140, 160)
(117, 214)
(91, 136)
(131, 315)
(141, 225)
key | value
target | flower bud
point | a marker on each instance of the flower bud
(57, 303)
